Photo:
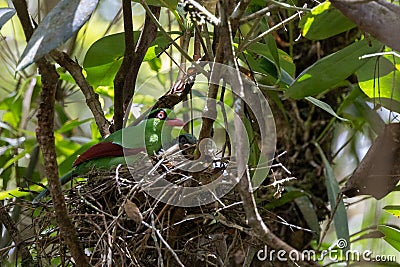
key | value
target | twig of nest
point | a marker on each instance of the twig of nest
(119, 224)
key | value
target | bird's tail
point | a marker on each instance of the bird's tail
(63, 180)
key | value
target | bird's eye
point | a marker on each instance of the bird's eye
(162, 115)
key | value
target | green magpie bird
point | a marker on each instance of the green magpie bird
(125, 145)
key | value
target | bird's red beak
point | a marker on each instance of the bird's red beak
(174, 122)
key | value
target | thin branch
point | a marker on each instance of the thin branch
(272, 29)
(92, 99)
(237, 14)
(178, 261)
(210, 110)
(20, 244)
(244, 186)
(149, 12)
(162, 30)
(257, 14)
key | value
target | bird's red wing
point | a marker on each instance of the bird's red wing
(106, 149)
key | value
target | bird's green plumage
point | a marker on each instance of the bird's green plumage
(154, 130)
(149, 134)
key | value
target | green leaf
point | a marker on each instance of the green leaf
(368, 114)
(103, 75)
(393, 209)
(17, 193)
(324, 106)
(65, 147)
(12, 104)
(11, 161)
(111, 48)
(307, 209)
(55, 29)
(285, 61)
(332, 186)
(106, 50)
(155, 64)
(332, 69)
(392, 235)
(271, 48)
(104, 58)
(171, 4)
(324, 21)
(380, 79)
(71, 125)
(5, 15)
(267, 67)
(65, 76)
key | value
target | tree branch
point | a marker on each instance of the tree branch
(45, 137)
(127, 61)
(92, 99)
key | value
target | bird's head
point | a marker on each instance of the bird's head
(187, 144)
(158, 129)
(163, 115)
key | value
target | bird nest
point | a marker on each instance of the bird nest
(119, 224)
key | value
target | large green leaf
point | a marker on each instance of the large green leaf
(271, 47)
(393, 209)
(267, 67)
(340, 217)
(59, 25)
(107, 49)
(104, 57)
(112, 47)
(392, 235)
(380, 79)
(103, 75)
(12, 105)
(324, 21)
(332, 69)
